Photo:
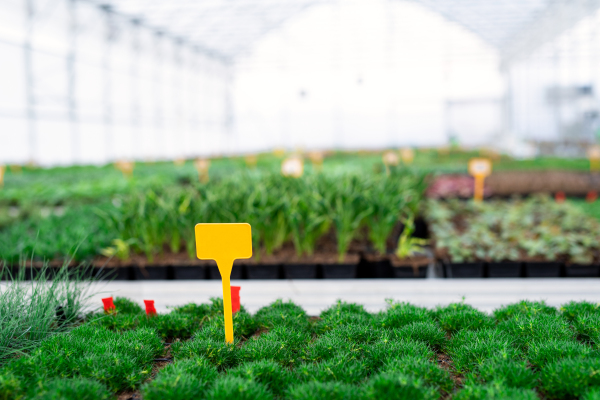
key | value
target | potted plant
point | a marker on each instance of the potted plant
(410, 259)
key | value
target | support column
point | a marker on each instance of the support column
(29, 79)
(135, 76)
(107, 83)
(72, 81)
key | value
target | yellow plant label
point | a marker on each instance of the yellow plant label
(251, 161)
(224, 243)
(2, 169)
(292, 166)
(202, 165)
(593, 154)
(126, 167)
(279, 152)
(479, 168)
(408, 155)
(316, 157)
(390, 158)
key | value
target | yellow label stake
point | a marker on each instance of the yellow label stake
(594, 156)
(2, 169)
(224, 243)
(479, 168)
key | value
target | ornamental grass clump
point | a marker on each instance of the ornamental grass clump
(32, 311)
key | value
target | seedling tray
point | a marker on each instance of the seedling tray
(300, 271)
(582, 271)
(464, 270)
(504, 269)
(339, 271)
(189, 273)
(263, 271)
(543, 269)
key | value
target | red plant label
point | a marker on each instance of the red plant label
(235, 298)
(150, 310)
(108, 304)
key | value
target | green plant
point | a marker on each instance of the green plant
(543, 352)
(394, 385)
(324, 390)
(117, 360)
(494, 391)
(275, 377)
(219, 353)
(34, 310)
(428, 371)
(184, 380)
(506, 373)
(229, 387)
(570, 377)
(408, 245)
(426, 332)
(77, 388)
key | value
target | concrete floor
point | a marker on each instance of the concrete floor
(316, 295)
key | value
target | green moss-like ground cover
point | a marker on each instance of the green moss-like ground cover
(527, 350)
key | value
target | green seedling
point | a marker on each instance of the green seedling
(275, 377)
(416, 367)
(324, 390)
(230, 387)
(398, 386)
(408, 245)
(185, 380)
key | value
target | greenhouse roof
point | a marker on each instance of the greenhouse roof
(227, 28)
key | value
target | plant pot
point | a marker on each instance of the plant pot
(263, 271)
(464, 270)
(505, 269)
(582, 270)
(300, 271)
(542, 269)
(380, 269)
(408, 272)
(191, 272)
(236, 272)
(112, 273)
(339, 271)
(150, 273)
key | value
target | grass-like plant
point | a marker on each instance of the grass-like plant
(426, 332)
(399, 386)
(400, 314)
(77, 388)
(417, 367)
(233, 387)
(32, 311)
(544, 352)
(275, 377)
(183, 380)
(494, 391)
(118, 360)
(332, 390)
(507, 373)
(524, 308)
(570, 377)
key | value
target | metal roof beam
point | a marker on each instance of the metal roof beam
(558, 17)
